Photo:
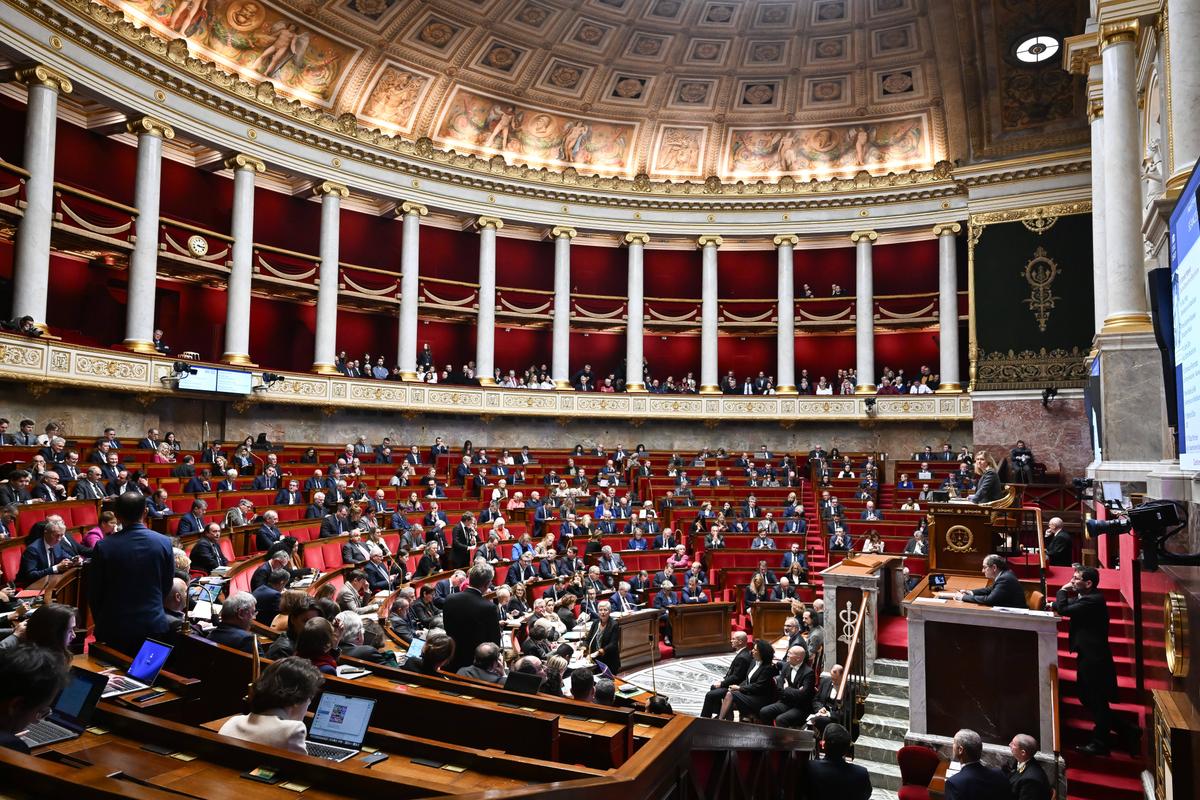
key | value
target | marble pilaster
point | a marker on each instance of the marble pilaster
(709, 373)
(635, 314)
(560, 362)
(237, 296)
(485, 324)
(410, 288)
(948, 306)
(864, 310)
(143, 261)
(785, 330)
(325, 347)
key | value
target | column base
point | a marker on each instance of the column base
(709, 388)
(865, 388)
(238, 360)
(411, 377)
(635, 388)
(563, 386)
(143, 346)
(1127, 323)
(487, 382)
(786, 390)
(325, 369)
(948, 388)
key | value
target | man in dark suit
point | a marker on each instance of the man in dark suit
(1082, 602)
(1005, 591)
(150, 442)
(523, 571)
(290, 496)
(469, 618)
(337, 523)
(267, 596)
(974, 781)
(447, 587)
(1027, 780)
(462, 539)
(131, 573)
(90, 487)
(378, 577)
(550, 568)
(278, 559)
(1021, 458)
(831, 777)
(733, 676)
(795, 686)
(316, 509)
(435, 519)
(199, 483)
(268, 532)
(237, 612)
(354, 551)
(49, 554)
(193, 521)
(439, 448)
(1059, 548)
(268, 481)
(17, 488)
(206, 555)
(379, 503)
(186, 468)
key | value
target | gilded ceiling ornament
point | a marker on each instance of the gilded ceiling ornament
(1040, 272)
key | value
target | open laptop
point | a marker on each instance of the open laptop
(72, 710)
(206, 607)
(339, 726)
(143, 670)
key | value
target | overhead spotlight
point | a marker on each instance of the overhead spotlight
(183, 368)
(1048, 395)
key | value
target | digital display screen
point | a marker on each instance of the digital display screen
(1185, 302)
(213, 379)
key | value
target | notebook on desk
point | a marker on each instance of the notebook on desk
(143, 670)
(339, 726)
(71, 712)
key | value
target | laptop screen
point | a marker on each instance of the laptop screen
(415, 647)
(341, 720)
(148, 662)
(78, 698)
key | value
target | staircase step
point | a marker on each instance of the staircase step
(883, 776)
(889, 687)
(883, 794)
(882, 705)
(891, 667)
(875, 749)
(880, 727)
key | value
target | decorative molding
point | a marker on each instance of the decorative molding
(41, 75)
(331, 188)
(489, 222)
(245, 161)
(150, 125)
(870, 236)
(1121, 32)
(1032, 370)
(946, 229)
(790, 239)
(709, 239)
(637, 238)
(560, 231)
(40, 363)
(409, 207)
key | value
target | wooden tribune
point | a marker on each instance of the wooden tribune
(699, 628)
(639, 633)
(960, 535)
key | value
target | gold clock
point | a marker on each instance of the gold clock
(960, 539)
(198, 246)
(1175, 623)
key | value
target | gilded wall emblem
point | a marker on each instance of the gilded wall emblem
(1040, 273)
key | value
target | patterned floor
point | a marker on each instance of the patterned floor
(683, 680)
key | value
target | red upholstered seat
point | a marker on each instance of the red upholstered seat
(314, 558)
(226, 545)
(913, 793)
(917, 765)
(10, 560)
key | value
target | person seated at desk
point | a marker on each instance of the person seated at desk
(840, 541)
(30, 680)
(1005, 591)
(268, 596)
(870, 513)
(758, 591)
(794, 555)
(1028, 780)
(763, 541)
(832, 776)
(278, 703)
(693, 592)
(429, 562)
(679, 559)
(51, 553)
(917, 546)
(795, 688)
(355, 551)
(989, 487)
(757, 690)
(637, 541)
(318, 645)
(352, 640)
(874, 542)
(237, 612)
(623, 600)
(487, 665)
(355, 594)
(206, 554)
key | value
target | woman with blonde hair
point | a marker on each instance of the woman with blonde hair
(757, 591)
(555, 666)
(291, 598)
(165, 454)
(989, 487)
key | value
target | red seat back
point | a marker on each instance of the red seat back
(917, 765)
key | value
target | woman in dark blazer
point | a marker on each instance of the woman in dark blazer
(758, 688)
(989, 487)
(604, 639)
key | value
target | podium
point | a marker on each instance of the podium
(639, 633)
(961, 534)
(700, 628)
(879, 578)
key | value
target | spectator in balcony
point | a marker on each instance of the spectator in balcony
(835, 290)
(823, 387)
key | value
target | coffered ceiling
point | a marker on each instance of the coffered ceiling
(673, 89)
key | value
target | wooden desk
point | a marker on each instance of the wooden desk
(767, 618)
(700, 628)
(963, 656)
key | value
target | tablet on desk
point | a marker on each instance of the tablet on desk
(937, 581)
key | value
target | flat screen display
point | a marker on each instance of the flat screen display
(1185, 302)
(213, 379)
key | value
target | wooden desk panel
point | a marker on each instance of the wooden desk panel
(700, 628)
(639, 637)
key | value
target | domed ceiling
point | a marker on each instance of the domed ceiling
(674, 89)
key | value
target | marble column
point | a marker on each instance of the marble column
(485, 324)
(1182, 21)
(31, 274)
(710, 378)
(785, 329)
(946, 234)
(1128, 309)
(1099, 278)
(241, 272)
(560, 363)
(864, 309)
(325, 349)
(636, 310)
(410, 288)
(143, 261)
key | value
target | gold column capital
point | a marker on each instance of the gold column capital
(946, 229)
(559, 231)
(637, 238)
(709, 239)
(331, 188)
(409, 207)
(489, 222)
(244, 161)
(789, 239)
(1095, 109)
(1080, 52)
(870, 236)
(41, 75)
(151, 126)
(1118, 32)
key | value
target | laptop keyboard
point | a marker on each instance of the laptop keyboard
(45, 731)
(118, 683)
(327, 751)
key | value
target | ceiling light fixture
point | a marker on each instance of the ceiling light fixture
(1037, 48)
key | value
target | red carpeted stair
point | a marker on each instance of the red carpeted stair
(893, 637)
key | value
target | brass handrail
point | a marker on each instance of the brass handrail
(854, 639)
(1054, 711)
(95, 198)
